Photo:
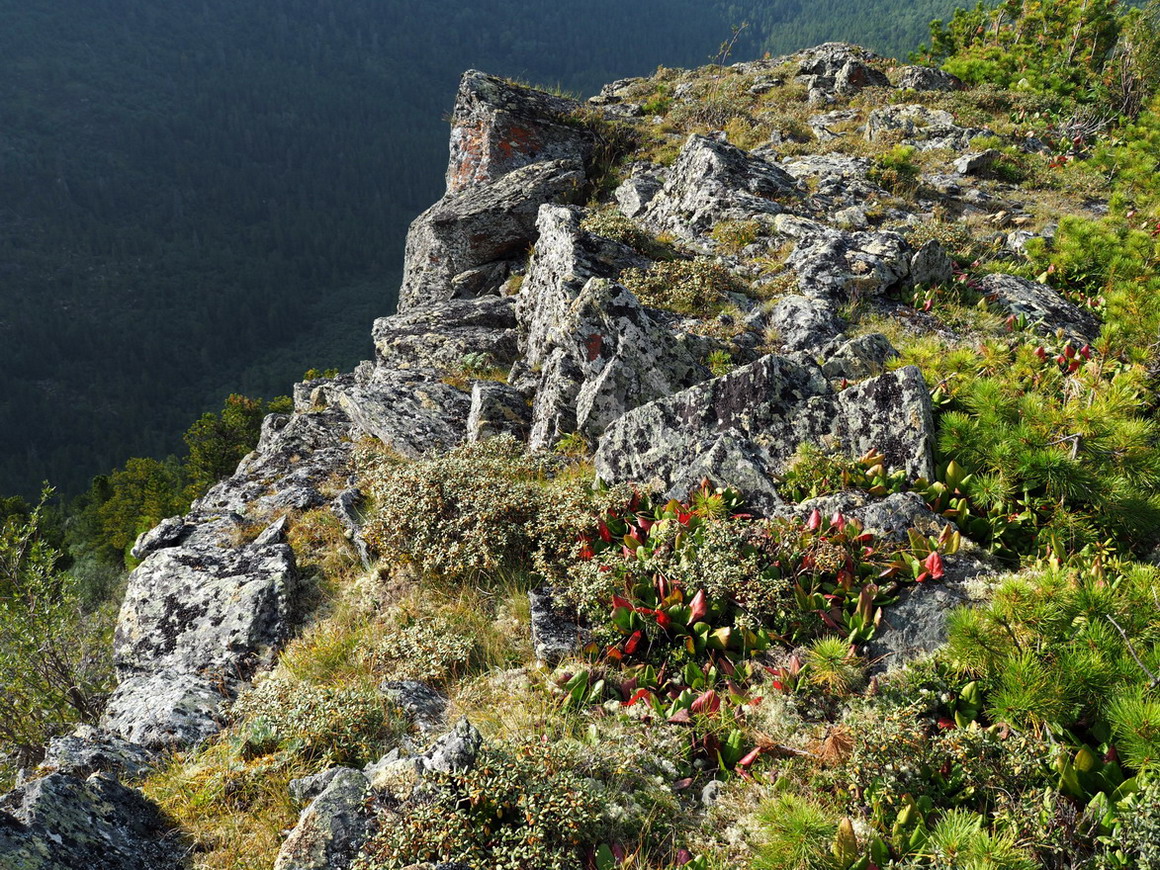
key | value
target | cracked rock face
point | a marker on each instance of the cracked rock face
(753, 419)
(833, 265)
(487, 223)
(919, 126)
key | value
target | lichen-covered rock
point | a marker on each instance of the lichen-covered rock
(206, 610)
(713, 181)
(454, 752)
(168, 533)
(834, 265)
(498, 409)
(624, 357)
(762, 413)
(555, 633)
(424, 706)
(89, 750)
(804, 324)
(498, 127)
(443, 334)
(636, 192)
(564, 258)
(1044, 309)
(731, 460)
(166, 709)
(926, 78)
(915, 624)
(838, 68)
(919, 126)
(63, 823)
(482, 224)
(862, 357)
(410, 411)
(931, 266)
(332, 829)
(977, 162)
(891, 414)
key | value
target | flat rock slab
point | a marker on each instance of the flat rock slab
(166, 709)
(1044, 309)
(64, 823)
(443, 334)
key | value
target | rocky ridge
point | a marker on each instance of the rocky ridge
(570, 350)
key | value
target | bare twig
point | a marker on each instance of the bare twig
(1154, 680)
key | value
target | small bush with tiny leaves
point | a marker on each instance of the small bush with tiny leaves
(520, 806)
(612, 224)
(695, 287)
(346, 724)
(478, 510)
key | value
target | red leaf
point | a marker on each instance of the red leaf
(605, 533)
(815, 520)
(638, 695)
(778, 685)
(934, 564)
(923, 577)
(708, 702)
(617, 601)
(663, 619)
(681, 717)
(749, 758)
(684, 856)
(699, 606)
(946, 724)
(682, 784)
(633, 642)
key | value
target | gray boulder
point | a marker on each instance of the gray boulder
(754, 419)
(168, 533)
(1045, 309)
(498, 409)
(411, 411)
(931, 266)
(332, 829)
(206, 610)
(637, 191)
(166, 709)
(805, 324)
(919, 126)
(926, 78)
(837, 68)
(63, 823)
(713, 181)
(89, 750)
(424, 706)
(834, 265)
(485, 223)
(498, 127)
(977, 162)
(441, 335)
(862, 357)
(455, 752)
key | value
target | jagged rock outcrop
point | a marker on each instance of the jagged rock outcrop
(498, 127)
(916, 125)
(834, 266)
(742, 428)
(89, 750)
(59, 822)
(926, 78)
(713, 181)
(332, 829)
(498, 409)
(837, 68)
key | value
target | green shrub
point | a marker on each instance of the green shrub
(733, 236)
(896, 171)
(54, 657)
(611, 224)
(693, 287)
(349, 724)
(520, 806)
(794, 833)
(478, 510)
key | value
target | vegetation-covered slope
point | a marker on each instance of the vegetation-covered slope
(751, 691)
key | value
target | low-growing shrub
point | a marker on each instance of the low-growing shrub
(612, 224)
(520, 806)
(478, 510)
(695, 287)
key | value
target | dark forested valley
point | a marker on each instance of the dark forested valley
(209, 197)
